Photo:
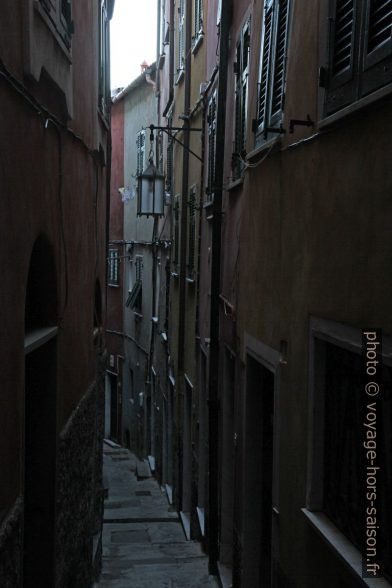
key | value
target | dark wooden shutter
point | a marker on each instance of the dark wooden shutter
(343, 50)
(377, 58)
(140, 148)
(169, 165)
(265, 67)
(244, 85)
(181, 34)
(241, 99)
(66, 21)
(279, 71)
(198, 18)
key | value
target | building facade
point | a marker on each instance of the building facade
(55, 153)
(278, 259)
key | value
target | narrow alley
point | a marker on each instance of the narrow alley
(144, 545)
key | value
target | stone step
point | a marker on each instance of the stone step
(143, 469)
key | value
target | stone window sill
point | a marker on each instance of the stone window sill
(343, 548)
(197, 41)
(353, 108)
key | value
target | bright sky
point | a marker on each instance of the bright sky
(132, 39)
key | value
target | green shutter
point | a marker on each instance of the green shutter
(343, 47)
(279, 74)
(377, 59)
(265, 67)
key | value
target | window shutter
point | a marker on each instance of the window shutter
(278, 81)
(241, 99)
(198, 17)
(211, 119)
(113, 266)
(50, 8)
(377, 59)
(265, 66)
(343, 47)
(181, 23)
(244, 86)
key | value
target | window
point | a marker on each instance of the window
(191, 232)
(181, 38)
(241, 98)
(104, 71)
(198, 22)
(337, 473)
(272, 73)
(359, 51)
(59, 13)
(134, 300)
(211, 121)
(113, 267)
(140, 152)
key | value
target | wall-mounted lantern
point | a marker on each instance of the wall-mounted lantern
(151, 191)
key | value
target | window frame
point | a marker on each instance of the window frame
(135, 294)
(241, 95)
(369, 74)
(140, 152)
(211, 134)
(350, 339)
(181, 41)
(198, 30)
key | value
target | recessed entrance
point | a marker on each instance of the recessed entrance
(40, 420)
(258, 475)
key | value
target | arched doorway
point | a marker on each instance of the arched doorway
(40, 419)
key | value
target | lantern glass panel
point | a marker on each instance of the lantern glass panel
(159, 194)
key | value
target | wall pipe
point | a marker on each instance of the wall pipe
(213, 378)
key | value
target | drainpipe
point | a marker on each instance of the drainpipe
(185, 181)
(213, 389)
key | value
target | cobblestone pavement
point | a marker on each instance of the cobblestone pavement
(144, 545)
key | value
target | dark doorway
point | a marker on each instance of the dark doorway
(40, 466)
(40, 419)
(258, 475)
(227, 462)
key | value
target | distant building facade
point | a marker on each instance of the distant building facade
(131, 294)
(55, 153)
(279, 236)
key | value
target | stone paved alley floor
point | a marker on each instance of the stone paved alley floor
(144, 545)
